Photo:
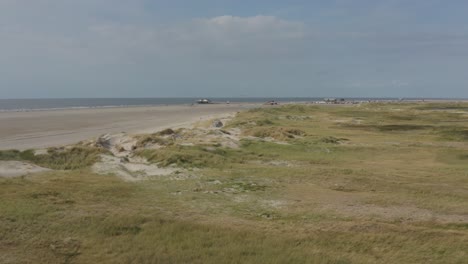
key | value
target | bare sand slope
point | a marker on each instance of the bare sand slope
(9, 169)
(41, 129)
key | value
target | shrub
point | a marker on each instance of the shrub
(63, 159)
(278, 133)
(10, 154)
(151, 139)
(166, 132)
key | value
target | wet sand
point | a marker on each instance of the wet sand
(41, 129)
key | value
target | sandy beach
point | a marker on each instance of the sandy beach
(41, 129)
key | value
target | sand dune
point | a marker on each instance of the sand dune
(41, 129)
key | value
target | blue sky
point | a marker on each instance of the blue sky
(231, 48)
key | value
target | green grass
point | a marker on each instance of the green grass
(102, 219)
(59, 159)
(197, 156)
(376, 183)
(151, 140)
(10, 155)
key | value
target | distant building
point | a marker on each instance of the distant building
(272, 102)
(334, 101)
(204, 101)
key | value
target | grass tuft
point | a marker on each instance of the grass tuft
(278, 133)
(10, 154)
(147, 140)
(56, 158)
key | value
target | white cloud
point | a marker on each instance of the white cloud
(223, 36)
(120, 42)
(99, 41)
(269, 26)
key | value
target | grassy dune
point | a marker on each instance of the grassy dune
(375, 183)
(60, 159)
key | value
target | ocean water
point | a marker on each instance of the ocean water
(47, 104)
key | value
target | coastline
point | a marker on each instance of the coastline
(43, 128)
(34, 105)
(98, 107)
(49, 128)
(28, 105)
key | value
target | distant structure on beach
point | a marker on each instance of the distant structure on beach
(272, 102)
(338, 101)
(334, 101)
(204, 101)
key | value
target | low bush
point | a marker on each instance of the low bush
(278, 133)
(152, 140)
(55, 158)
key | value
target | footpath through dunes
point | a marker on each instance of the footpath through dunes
(42, 129)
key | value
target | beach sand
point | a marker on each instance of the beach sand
(42, 129)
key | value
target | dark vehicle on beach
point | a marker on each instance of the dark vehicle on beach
(204, 101)
(272, 102)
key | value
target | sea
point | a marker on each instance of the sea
(7, 105)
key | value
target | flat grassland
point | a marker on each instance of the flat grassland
(370, 183)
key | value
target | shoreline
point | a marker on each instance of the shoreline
(25, 110)
(57, 127)
(51, 128)
(228, 101)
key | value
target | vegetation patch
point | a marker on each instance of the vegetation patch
(264, 122)
(68, 159)
(333, 140)
(395, 193)
(122, 230)
(454, 133)
(462, 226)
(271, 116)
(166, 132)
(66, 249)
(443, 106)
(296, 117)
(240, 186)
(186, 156)
(10, 155)
(278, 133)
(388, 128)
(57, 158)
(403, 127)
(153, 139)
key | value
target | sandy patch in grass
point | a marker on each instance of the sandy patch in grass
(354, 205)
(228, 138)
(120, 144)
(129, 171)
(401, 213)
(10, 169)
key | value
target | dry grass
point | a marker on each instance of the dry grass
(149, 140)
(58, 159)
(377, 183)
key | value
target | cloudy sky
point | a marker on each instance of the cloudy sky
(233, 48)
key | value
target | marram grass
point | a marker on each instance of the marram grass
(376, 183)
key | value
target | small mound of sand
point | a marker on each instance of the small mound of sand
(120, 144)
(129, 171)
(10, 169)
(202, 136)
